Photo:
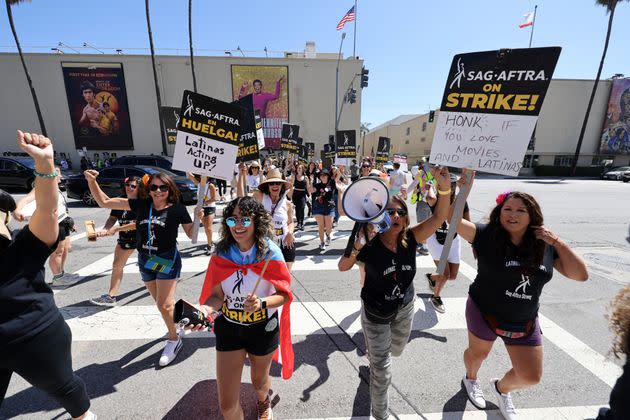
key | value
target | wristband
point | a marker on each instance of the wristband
(447, 192)
(263, 303)
(53, 174)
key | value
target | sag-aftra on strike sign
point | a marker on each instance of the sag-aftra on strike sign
(208, 136)
(490, 108)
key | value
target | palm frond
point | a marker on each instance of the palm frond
(12, 2)
(609, 4)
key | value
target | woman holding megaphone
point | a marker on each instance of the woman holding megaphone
(387, 265)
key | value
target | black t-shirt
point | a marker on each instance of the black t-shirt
(440, 233)
(27, 305)
(388, 276)
(164, 225)
(501, 288)
(124, 218)
(323, 194)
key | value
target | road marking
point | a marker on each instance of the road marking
(548, 413)
(77, 236)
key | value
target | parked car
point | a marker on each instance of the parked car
(625, 177)
(615, 173)
(17, 172)
(148, 160)
(111, 182)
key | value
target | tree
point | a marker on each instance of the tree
(155, 79)
(190, 43)
(610, 6)
(9, 3)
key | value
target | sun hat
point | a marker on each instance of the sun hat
(274, 175)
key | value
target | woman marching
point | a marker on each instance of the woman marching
(126, 241)
(247, 281)
(254, 177)
(274, 193)
(387, 265)
(516, 256)
(209, 206)
(322, 194)
(300, 194)
(158, 218)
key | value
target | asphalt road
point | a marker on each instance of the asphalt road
(116, 351)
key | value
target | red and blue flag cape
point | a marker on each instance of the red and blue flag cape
(223, 264)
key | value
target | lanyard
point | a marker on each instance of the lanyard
(150, 235)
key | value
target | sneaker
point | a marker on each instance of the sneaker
(334, 224)
(65, 279)
(475, 393)
(208, 249)
(430, 281)
(328, 239)
(322, 246)
(170, 351)
(437, 303)
(264, 410)
(104, 300)
(423, 250)
(505, 402)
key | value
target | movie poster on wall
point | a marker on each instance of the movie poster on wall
(615, 139)
(97, 101)
(269, 86)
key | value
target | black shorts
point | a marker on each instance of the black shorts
(288, 253)
(66, 226)
(127, 244)
(207, 211)
(254, 339)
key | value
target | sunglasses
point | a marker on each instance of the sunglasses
(244, 221)
(401, 212)
(275, 183)
(365, 167)
(155, 187)
(131, 186)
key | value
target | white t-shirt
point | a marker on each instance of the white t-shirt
(279, 215)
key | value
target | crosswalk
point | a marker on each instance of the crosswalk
(321, 317)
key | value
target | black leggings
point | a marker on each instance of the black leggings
(222, 187)
(299, 200)
(46, 363)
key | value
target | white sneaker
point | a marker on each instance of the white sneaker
(505, 402)
(170, 351)
(475, 393)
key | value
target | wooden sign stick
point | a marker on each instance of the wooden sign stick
(201, 192)
(262, 273)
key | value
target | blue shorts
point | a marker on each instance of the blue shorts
(150, 275)
(322, 210)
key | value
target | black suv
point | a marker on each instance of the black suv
(17, 172)
(148, 160)
(111, 182)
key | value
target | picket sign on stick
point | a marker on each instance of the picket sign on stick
(262, 273)
(458, 212)
(201, 192)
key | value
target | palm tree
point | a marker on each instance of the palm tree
(192, 59)
(155, 79)
(42, 127)
(365, 128)
(610, 6)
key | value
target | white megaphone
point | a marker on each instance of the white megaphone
(365, 201)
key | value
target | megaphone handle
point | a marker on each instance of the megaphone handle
(352, 239)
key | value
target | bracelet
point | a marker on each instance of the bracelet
(447, 192)
(53, 174)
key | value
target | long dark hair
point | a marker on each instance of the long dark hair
(173, 192)
(139, 185)
(262, 224)
(530, 251)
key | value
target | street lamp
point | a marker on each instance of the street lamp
(343, 36)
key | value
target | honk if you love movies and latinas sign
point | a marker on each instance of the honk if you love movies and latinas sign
(208, 136)
(490, 107)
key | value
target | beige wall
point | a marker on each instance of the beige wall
(311, 94)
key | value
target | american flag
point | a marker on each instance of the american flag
(348, 17)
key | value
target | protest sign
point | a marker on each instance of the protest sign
(288, 141)
(260, 135)
(170, 117)
(490, 107)
(248, 144)
(346, 144)
(208, 135)
(311, 149)
(382, 152)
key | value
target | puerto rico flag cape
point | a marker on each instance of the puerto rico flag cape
(223, 264)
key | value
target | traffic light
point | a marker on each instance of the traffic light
(431, 116)
(364, 77)
(352, 96)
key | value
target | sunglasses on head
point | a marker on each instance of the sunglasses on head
(401, 212)
(131, 186)
(162, 188)
(244, 221)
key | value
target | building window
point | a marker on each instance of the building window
(406, 141)
(563, 160)
(602, 160)
(424, 126)
(528, 158)
(423, 139)
(408, 130)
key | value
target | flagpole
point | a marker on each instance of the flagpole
(531, 35)
(354, 47)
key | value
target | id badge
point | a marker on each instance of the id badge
(159, 265)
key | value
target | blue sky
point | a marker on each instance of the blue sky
(407, 44)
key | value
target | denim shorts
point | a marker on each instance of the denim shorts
(322, 210)
(150, 275)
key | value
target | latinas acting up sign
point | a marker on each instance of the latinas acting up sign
(490, 108)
